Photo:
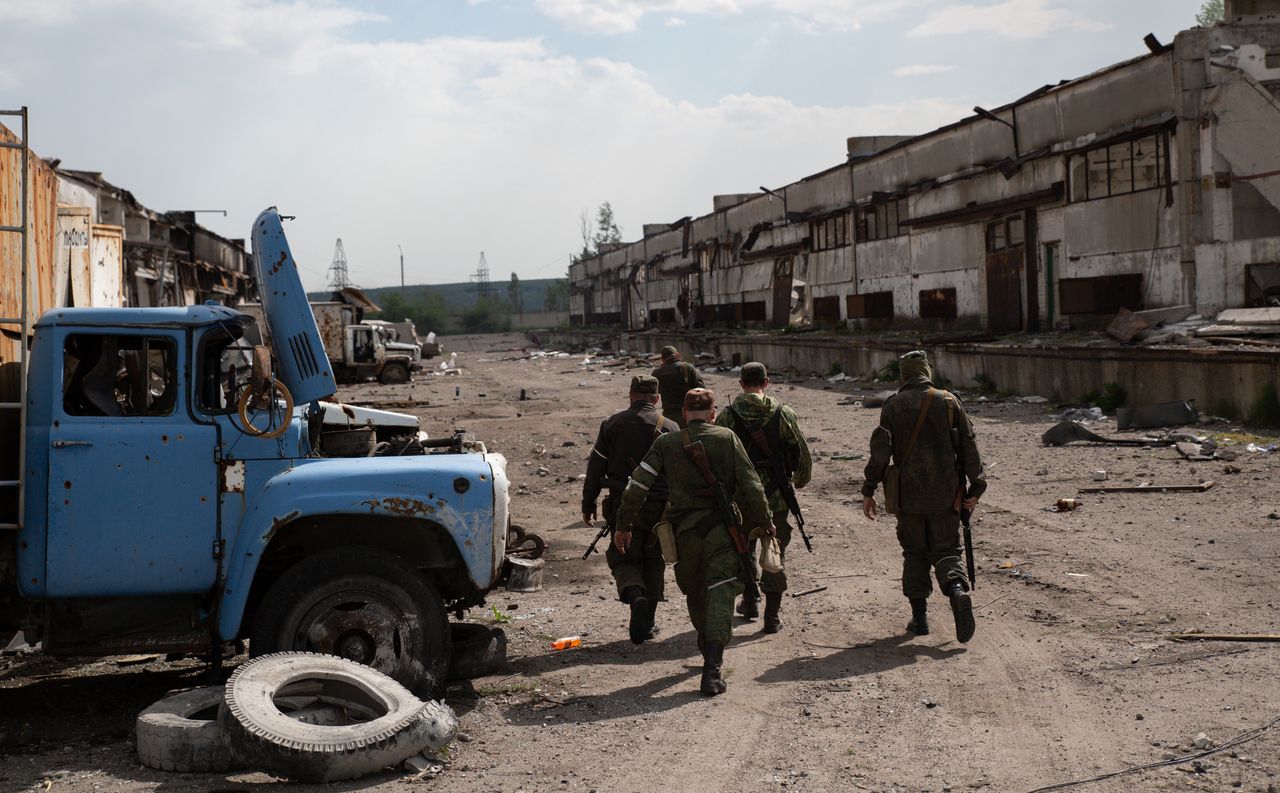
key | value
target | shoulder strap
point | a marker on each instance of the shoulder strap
(915, 433)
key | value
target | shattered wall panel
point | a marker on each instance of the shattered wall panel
(42, 209)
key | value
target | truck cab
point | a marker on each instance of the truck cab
(178, 493)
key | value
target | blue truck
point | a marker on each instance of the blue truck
(179, 488)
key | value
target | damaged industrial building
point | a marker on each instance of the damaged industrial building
(1151, 183)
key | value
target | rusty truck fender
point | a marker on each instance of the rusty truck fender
(466, 494)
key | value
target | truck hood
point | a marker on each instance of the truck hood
(338, 414)
(295, 339)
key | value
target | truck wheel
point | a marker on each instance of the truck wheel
(180, 733)
(478, 650)
(261, 735)
(364, 605)
(394, 374)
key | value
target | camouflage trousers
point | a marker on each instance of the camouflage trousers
(642, 565)
(773, 582)
(708, 574)
(930, 540)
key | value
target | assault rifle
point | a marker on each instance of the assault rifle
(611, 503)
(724, 506)
(780, 478)
(965, 515)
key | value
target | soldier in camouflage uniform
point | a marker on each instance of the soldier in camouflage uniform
(675, 378)
(709, 567)
(624, 439)
(753, 408)
(932, 483)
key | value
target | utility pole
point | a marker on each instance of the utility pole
(401, 270)
(481, 278)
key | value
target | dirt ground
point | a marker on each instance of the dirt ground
(1072, 672)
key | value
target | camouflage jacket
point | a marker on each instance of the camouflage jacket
(689, 501)
(623, 441)
(945, 448)
(760, 409)
(675, 379)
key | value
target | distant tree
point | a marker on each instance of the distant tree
(556, 298)
(584, 229)
(488, 315)
(425, 308)
(1211, 13)
(607, 230)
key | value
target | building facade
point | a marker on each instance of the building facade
(1154, 182)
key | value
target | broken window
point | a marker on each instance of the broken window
(872, 305)
(1116, 169)
(119, 375)
(879, 221)
(938, 304)
(829, 233)
(995, 236)
(226, 367)
(1105, 294)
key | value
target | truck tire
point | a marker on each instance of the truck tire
(261, 736)
(180, 733)
(478, 650)
(364, 605)
(394, 374)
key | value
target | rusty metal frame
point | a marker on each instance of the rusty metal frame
(23, 321)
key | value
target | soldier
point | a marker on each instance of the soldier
(930, 439)
(624, 439)
(675, 378)
(710, 562)
(778, 434)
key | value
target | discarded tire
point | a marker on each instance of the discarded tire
(478, 650)
(180, 733)
(263, 737)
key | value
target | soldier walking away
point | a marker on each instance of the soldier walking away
(675, 379)
(624, 439)
(929, 438)
(771, 435)
(713, 497)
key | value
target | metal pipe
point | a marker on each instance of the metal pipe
(26, 317)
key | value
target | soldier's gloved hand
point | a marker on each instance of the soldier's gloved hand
(970, 503)
(622, 540)
(587, 517)
(869, 507)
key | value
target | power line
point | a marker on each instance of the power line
(338, 277)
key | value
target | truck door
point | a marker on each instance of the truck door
(132, 481)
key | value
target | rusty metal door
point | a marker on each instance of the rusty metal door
(781, 316)
(1004, 290)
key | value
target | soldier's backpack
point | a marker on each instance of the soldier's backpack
(891, 474)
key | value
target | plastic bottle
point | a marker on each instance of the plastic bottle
(567, 643)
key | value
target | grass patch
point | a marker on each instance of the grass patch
(1225, 408)
(498, 617)
(1112, 396)
(1265, 411)
(835, 369)
(891, 373)
(507, 689)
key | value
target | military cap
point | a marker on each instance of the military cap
(754, 373)
(644, 384)
(668, 352)
(699, 399)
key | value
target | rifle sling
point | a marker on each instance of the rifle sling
(915, 433)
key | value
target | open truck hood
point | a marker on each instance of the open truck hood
(300, 356)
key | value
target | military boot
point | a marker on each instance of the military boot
(962, 610)
(712, 659)
(640, 620)
(772, 612)
(919, 624)
(749, 607)
(653, 619)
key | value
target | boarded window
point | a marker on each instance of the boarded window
(938, 304)
(753, 311)
(872, 305)
(662, 316)
(1101, 295)
(826, 309)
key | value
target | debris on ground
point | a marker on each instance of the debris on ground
(1165, 414)
(1148, 487)
(1065, 432)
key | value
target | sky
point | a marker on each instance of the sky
(450, 127)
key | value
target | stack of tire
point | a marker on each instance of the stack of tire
(302, 716)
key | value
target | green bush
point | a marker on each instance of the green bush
(1225, 408)
(983, 383)
(891, 373)
(835, 369)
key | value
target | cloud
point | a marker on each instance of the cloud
(675, 22)
(445, 145)
(37, 12)
(1015, 19)
(922, 70)
(624, 16)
